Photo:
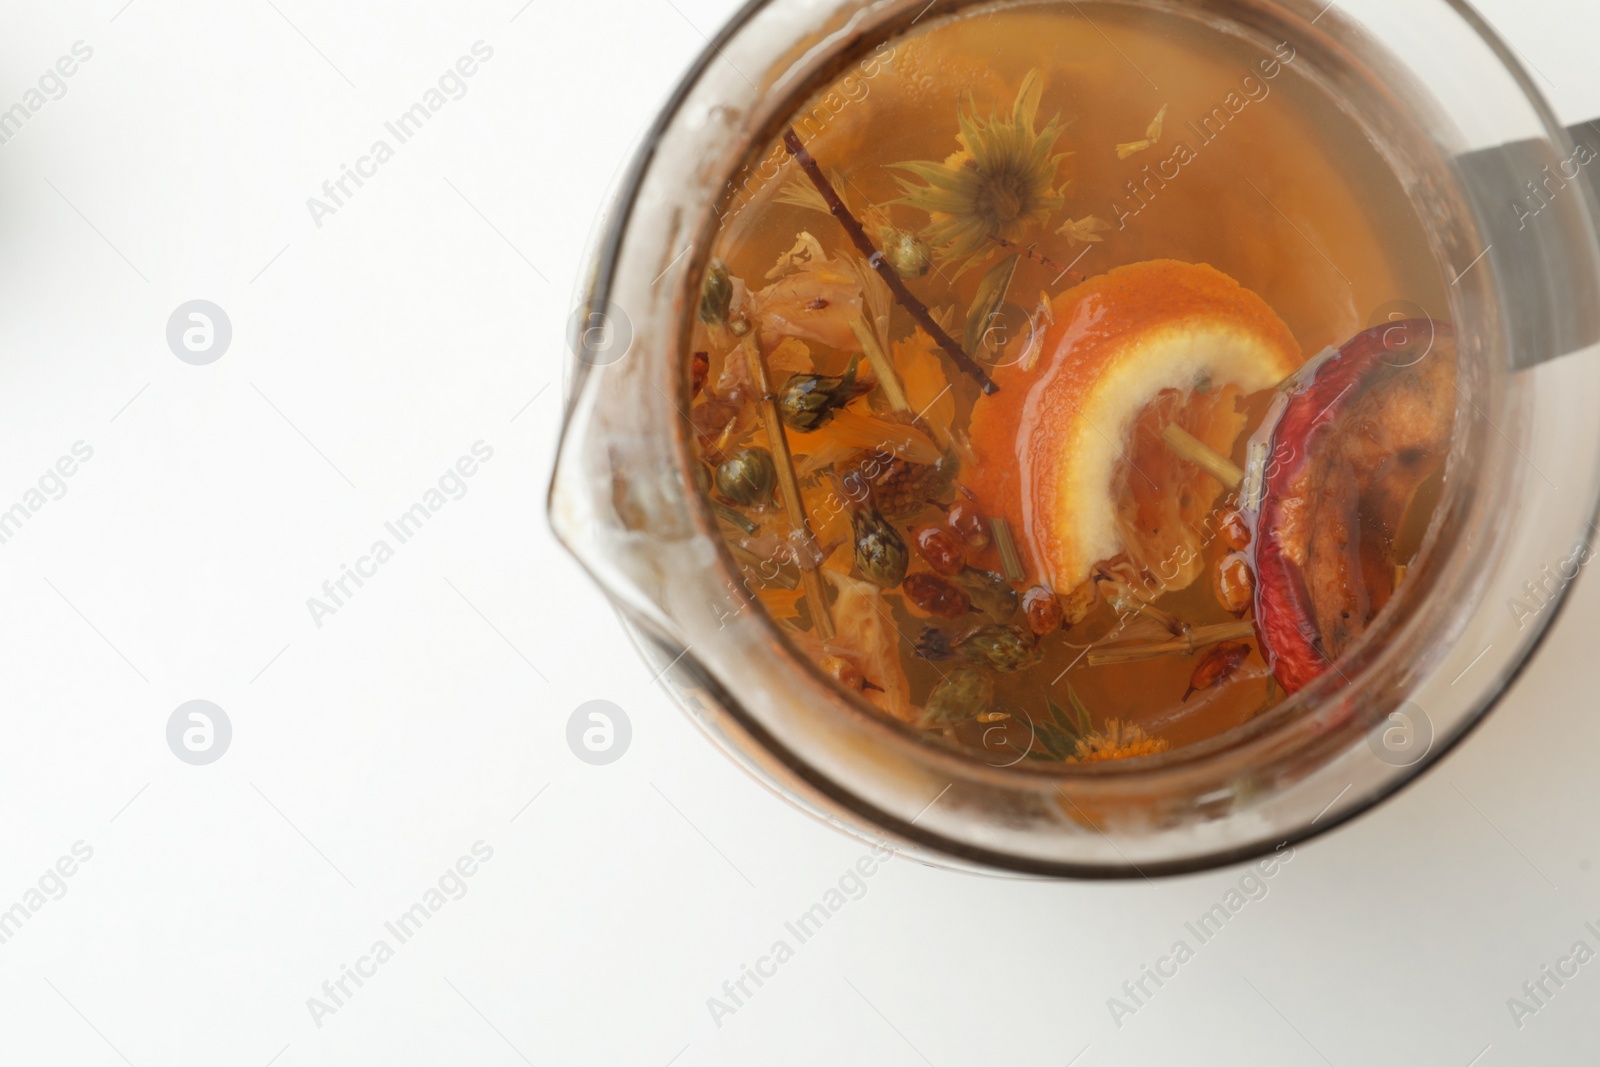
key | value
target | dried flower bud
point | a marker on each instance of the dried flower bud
(1236, 584)
(933, 645)
(905, 252)
(747, 477)
(880, 553)
(716, 294)
(990, 593)
(966, 520)
(935, 596)
(1042, 609)
(1005, 648)
(961, 696)
(944, 551)
(807, 402)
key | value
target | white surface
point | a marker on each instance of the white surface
(372, 752)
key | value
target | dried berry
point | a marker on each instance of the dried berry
(699, 369)
(961, 696)
(747, 477)
(1236, 583)
(935, 596)
(880, 553)
(942, 549)
(1005, 648)
(966, 520)
(1234, 530)
(1043, 610)
(990, 593)
(844, 672)
(1217, 666)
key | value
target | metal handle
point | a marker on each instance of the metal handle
(1530, 203)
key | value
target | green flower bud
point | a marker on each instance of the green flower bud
(880, 552)
(747, 477)
(1005, 648)
(906, 253)
(716, 294)
(961, 696)
(990, 593)
(807, 402)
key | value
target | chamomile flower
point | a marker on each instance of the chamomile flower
(1000, 183)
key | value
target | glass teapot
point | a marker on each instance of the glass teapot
(1507, 198)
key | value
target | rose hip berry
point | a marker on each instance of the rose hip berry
(936, 596)
(1043, 610)
(942, 548)
(966, 520)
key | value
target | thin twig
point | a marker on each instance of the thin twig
(1193, 641)
(789, 487)
(858, 236)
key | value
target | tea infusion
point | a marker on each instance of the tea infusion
(1015, 383)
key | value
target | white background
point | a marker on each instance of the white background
(424, 715)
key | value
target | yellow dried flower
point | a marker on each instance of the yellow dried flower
(1117, 740)
(999, 184)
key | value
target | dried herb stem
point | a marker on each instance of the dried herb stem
(1187, 446)
(858, 236)
(779, 578)
(1122, 597)
(1010, 561)
(888, 380)
(729, 515)
(789, 487)
(1028, 252)
(1193, 641)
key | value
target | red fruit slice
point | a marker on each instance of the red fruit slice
(1349, 442)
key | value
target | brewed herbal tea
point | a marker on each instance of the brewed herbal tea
(1063, 416)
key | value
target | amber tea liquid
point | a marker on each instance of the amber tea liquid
(1174, 140)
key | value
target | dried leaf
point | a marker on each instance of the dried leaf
(867, 634)
(797, 193)
(1085, 230)
(991, 295)
(1152, 134)
(790, 357)
(1033, 346)
(921, 369)
(807, 252)
(1153, 131)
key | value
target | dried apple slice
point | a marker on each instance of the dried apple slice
(1350, 441)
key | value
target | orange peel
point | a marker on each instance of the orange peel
(1074, 443)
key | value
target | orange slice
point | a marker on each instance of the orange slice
(1071, 448)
